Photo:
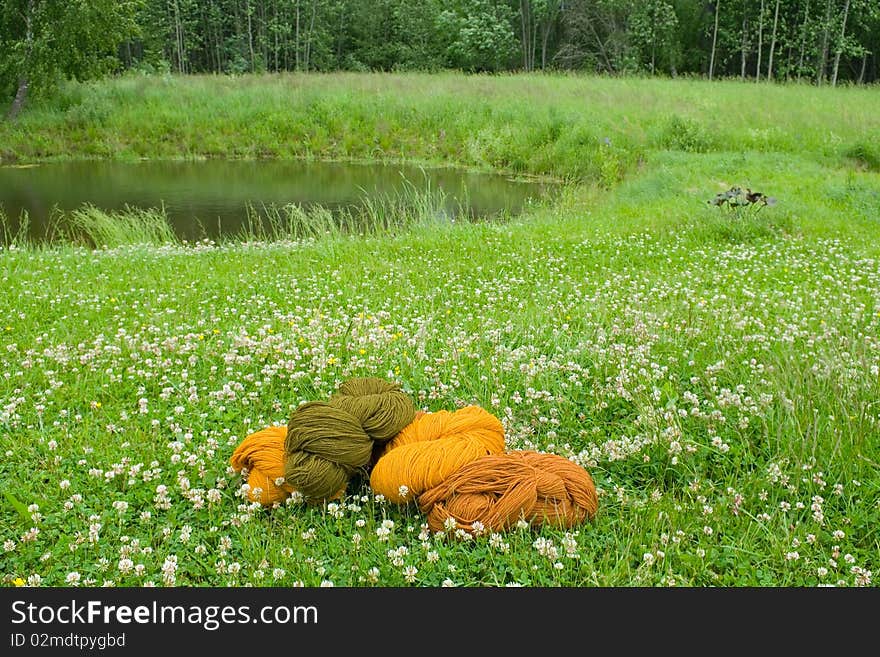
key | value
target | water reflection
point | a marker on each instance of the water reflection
(209, 197)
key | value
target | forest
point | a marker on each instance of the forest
(825, 42)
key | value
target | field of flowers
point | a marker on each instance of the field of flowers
(718, 376)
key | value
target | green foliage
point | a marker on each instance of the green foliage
(652, 30)
(43, 41)
(480, 34)
(809, 41)
(684, 134)
(865, 155)
(610, 166)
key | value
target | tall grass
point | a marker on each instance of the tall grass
(14, 233)
(94, 227)
(374, 215)
(566, 126)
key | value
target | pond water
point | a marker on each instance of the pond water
(207, 198)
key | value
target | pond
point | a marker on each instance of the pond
(207, 198)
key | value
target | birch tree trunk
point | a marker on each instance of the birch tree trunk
(772, 44)
(760, 42)
(296, 39)
(23, 80)
(803, 39)
(309, 36)
(823, 62)
(840, 45)
(714, 40)
(525, 19)
(250, 34)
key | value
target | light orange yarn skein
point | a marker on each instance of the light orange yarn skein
(499, 490)
(431, 448)
(262, 453)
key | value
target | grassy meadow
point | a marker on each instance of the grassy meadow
(716, 372)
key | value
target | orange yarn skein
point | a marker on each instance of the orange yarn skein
(499, 490)
(431, 448)
(262, 453)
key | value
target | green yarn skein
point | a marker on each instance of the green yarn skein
(327, 442)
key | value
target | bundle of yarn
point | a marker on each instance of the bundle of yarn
(496, 492)
(453, 464)
(324, 442)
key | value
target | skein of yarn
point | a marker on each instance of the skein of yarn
(327, 442)
(452, 462)
(324, 443)
(499, 490)
(262, 455)
(380, 407)
(431, 448)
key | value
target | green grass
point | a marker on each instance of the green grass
(553, 125)
(718, 375)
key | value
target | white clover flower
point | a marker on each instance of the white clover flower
(169, 568)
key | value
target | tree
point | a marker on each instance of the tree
(44, 40)
(804, 29)
(652, 27)
(826, 31)
(840, 45)
(773, 43)
(480, 32)
(760, 42)
(537, 19)
(714, 39)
